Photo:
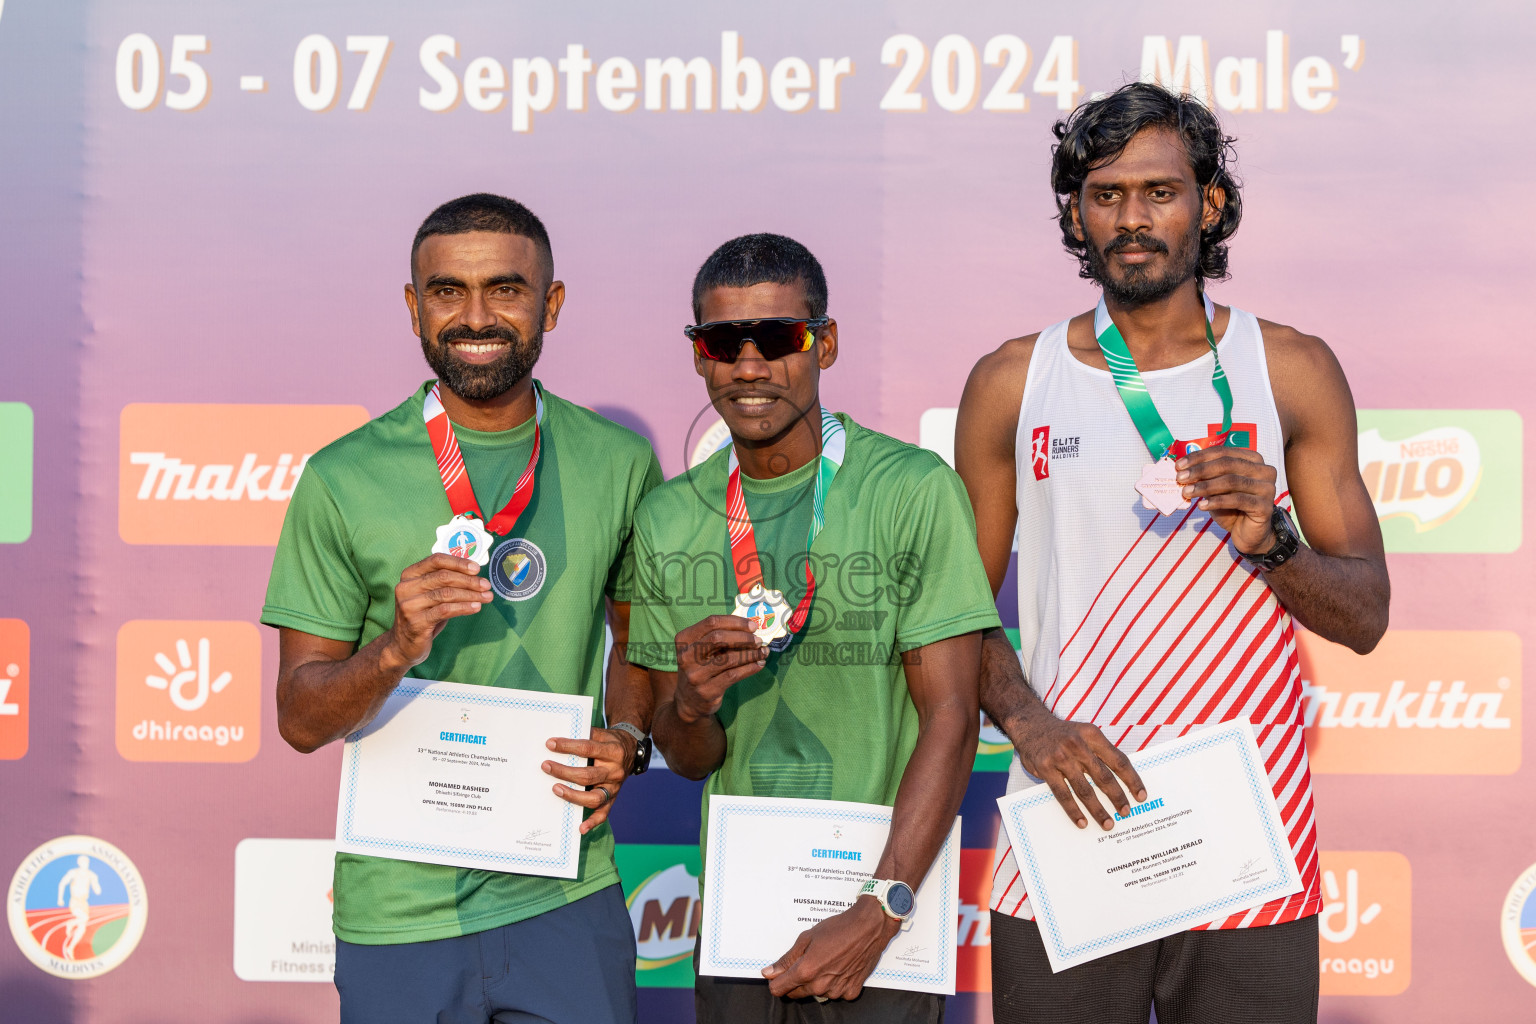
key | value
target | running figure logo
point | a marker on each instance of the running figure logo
(77, 907)
(462, 544)
(1040, 451)
(760, 616)
(81, 882)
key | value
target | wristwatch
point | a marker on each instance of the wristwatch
(642, 747)
(1287, 543)
(896, 898)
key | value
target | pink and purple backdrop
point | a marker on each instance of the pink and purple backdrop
(252, 251)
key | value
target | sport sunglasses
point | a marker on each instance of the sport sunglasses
(775, 337)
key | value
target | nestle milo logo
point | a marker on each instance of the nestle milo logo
(1443, 480)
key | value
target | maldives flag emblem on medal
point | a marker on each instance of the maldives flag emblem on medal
(464, 537)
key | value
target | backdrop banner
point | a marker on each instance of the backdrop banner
(205, 224)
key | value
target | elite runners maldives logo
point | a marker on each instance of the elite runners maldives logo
(77, 907)
(1517, 922)
(217, 474)
(1040, 451)
(1366, 924)
(1444, 480)
(1423, 702)
(15, 670)
(661, 889)
(188, 691)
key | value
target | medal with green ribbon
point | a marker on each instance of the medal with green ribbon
(1159, 487)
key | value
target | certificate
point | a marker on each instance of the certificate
(1208, 842)
(451, 774)
(775, 867)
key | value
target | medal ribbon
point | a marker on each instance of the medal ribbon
(744, 557)
(1133, 390)
(450, 464)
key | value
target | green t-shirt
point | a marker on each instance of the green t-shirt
(896, 568)
(369, 505)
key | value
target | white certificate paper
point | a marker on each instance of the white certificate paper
(775, 867)
(450, 774)
(1207, 843)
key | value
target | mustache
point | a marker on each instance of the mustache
(1139, 241)
(463, 332)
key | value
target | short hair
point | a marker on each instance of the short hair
(1098, 132)
(483, 211)
(758, 259)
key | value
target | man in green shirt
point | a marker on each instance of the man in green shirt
(874, 698)
(364, 597)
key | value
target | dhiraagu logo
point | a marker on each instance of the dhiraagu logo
(1444, 480)
(661, 889)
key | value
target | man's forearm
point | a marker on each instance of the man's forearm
(629, 697)
(1006, 695)
(692, 749)
(931, 790)
(1339, 598)
(323, 700)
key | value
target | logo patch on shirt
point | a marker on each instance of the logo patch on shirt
(1066, 447)
(517, 569)
(1040, 451)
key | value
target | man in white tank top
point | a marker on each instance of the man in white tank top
(1149, 454)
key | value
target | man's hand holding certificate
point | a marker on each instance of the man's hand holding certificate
(454, 774)
(1207, 842)
(782, 877)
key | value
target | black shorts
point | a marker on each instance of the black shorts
(748, 1001)
(1265, 975)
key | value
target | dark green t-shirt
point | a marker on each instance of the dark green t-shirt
(896, 568)
(369, 505)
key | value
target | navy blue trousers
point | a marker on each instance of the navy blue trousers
(573, 965)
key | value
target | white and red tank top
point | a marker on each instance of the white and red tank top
(1148, 625)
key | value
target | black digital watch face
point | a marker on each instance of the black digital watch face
(900, 899)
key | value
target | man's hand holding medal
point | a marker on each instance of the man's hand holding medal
(713, 655)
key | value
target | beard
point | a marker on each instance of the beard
(482, 383)
(1137, 284)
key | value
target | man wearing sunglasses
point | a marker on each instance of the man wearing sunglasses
(859, 683)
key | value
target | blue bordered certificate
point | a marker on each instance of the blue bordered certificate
(774, 867)
(1208, 842)
(451, 774)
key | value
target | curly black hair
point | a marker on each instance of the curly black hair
(1099, 130)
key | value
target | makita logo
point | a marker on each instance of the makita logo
(1432, 707)
(217, 474)
(167, 478)
(1443, 702)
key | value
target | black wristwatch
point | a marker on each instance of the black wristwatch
(642, 747)
(1287, 543)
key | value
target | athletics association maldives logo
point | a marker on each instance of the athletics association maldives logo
(77, 907)
(517, 569)
(1518, 923)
